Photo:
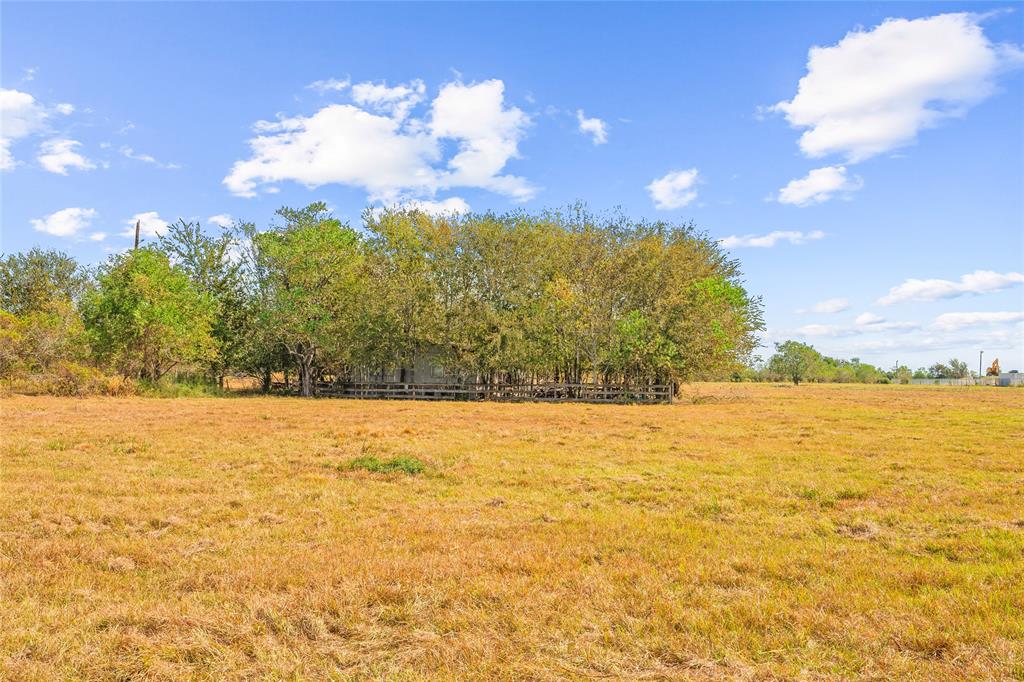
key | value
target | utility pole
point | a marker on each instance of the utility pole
(137, 224)
(980, 354)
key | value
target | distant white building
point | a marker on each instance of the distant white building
(1013, 378)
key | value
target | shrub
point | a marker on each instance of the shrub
(72, 379)
(119, 386)
(407, 465)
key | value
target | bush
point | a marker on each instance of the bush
(118, 386)
(407, 465)
(72, 379)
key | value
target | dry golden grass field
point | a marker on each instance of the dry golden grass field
(760, 532)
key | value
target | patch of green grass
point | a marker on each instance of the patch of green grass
(851, 494)
(187, 387)
(809, 494)
(406, 465)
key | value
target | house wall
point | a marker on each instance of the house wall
(425, 369)
(428, 369)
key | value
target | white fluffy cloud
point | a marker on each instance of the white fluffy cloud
(977, 282)
(674, 190)
(57, 156)
(955, 321)
(150, 225)
(818, 186)
(395, 101)
(67, 222)
(488, 135)
(875, 90)
(594, 127)
(769, 240)
(20, 116)
(221, 220)
(390, 156)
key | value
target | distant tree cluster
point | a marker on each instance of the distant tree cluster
(954, 369)
(798, 362)
(556, 296)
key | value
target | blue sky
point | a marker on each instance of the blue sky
(873, 189)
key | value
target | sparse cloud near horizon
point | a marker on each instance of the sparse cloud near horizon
(868, 319)
(445, 207)
(872, 326)
(827, 306)
(769, 240)
(221, 220)
(329, 85)
(958, 321)
(130, 153)
(977, 282)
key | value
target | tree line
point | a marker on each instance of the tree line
(555, 296)
(799, 362)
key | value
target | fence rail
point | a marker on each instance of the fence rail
(543, 392)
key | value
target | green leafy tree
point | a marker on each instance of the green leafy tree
(958, 369)
(901, 374)
(214, 266)
(401, 313)
(796, 361)
(50, 335)
(639, 350)
(146, 317)
(314, 277)
(31, 281)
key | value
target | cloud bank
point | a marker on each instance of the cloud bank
(377, 145)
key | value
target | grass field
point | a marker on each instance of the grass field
(756, 532)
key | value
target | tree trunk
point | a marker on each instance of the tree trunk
(306, 374)
(266, 380)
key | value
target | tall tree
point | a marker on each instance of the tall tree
(214, 266)
(145, 316)
(314, 275)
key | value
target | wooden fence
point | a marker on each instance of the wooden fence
(543, 392)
